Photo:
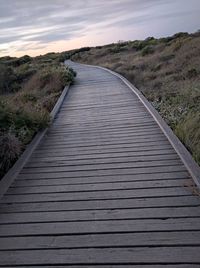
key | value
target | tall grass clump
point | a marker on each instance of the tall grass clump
(189, 132)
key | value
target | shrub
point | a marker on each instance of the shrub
(115, 49)
(180, 34)
(10, 150)
(29, 97)
(191, 73)
(7, 79)
(138, 45)
(147, 50)
(177, 45)
(15, 62)
(25, 112)
(22, 117)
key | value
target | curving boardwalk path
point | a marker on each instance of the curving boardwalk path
(105, 188)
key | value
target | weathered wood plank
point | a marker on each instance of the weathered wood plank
(135, 137)
(113, 164)
(109, 166)
(102, 240)
(106, 128)
(115, 143)
(103, 226)
(95, 195)
(101, 149)
(138, 155)
(101, 131)
(154, 255)
(101, 179)
(153, 202)
(106, 214)
(118, 266)
(92, 161)
(99, 186)
(103, 172)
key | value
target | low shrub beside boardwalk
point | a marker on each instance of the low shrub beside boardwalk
(29, 89)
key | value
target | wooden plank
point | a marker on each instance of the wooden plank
(122, 136)
(96, 122)
(138, 142)
(108, 125)
(66, 132)
(106, 214)
(102, 240)
(104, 166)
(153, 202)
(103, 226)
(104, 172)
(101, 179)
(148, 255)
(139, 155)
(63, 131)
(106, 128)
(102, 106)
(118, 266)
(105, 160)
(105, 114)
(101, 149)
(101, 146)
(99, 186)
(98, 163)
(97, 195)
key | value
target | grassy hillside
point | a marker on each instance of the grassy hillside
(29, 88)
(167, 71)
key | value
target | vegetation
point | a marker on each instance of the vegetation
(167, 71)
(29, 88)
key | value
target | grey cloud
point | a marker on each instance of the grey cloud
(143, 19)
(52, 37)
(47, 21)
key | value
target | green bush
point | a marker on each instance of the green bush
(8, 79)
(138, 45)
(147, 50)
(10, 150)
(22, 117)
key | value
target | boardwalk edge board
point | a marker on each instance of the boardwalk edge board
(11, 175)
(185, 156)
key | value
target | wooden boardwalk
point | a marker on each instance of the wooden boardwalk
(105, 188)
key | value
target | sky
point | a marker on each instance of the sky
(36, 27)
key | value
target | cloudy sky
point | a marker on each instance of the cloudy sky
(36, 27)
